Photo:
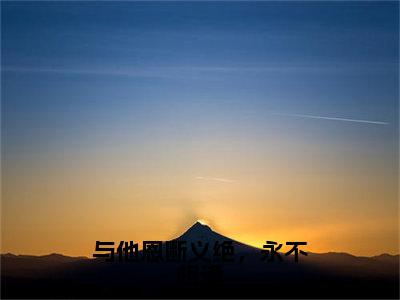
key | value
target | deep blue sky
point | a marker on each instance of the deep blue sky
(82, 62)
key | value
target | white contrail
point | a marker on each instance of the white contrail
(215, 179)
(331, 118)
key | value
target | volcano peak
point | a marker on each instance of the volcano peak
(198, 231)
(199, 226)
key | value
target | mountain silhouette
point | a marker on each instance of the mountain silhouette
(318, 275)
(200, 232)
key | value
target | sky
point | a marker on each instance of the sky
(131, 120)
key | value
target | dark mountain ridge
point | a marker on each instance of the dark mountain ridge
(343, 275)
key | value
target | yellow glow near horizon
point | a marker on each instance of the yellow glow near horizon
(334, 202)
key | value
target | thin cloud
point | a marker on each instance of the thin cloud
(225, 180)
(194, 71)
(332, 118)
(134, 72)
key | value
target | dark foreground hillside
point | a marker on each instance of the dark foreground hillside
(329, 275)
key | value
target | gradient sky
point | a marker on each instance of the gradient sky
(130, 121)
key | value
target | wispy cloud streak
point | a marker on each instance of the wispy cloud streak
(225, 180)
(194, 70)
(331, 118)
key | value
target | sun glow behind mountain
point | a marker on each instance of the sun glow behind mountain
(202, 222)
